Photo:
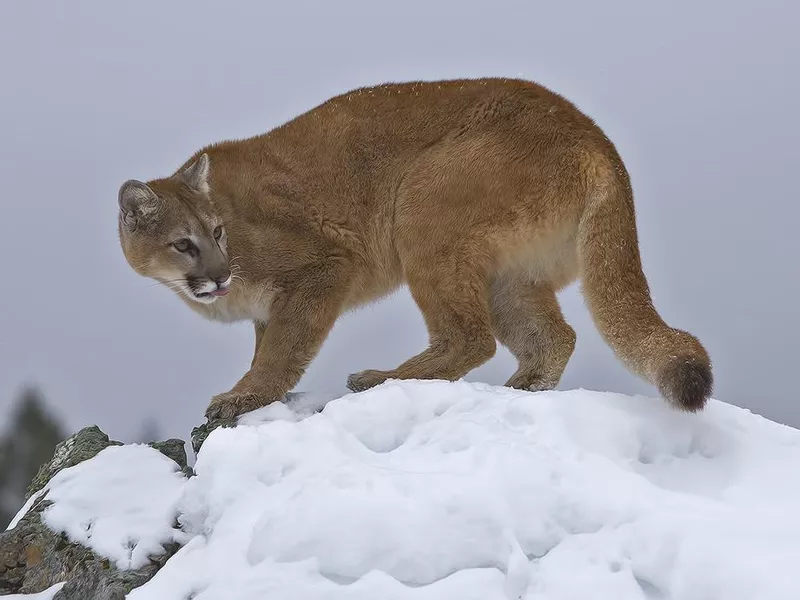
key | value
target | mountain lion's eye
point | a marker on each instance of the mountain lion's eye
(218, 232)
(182, 245)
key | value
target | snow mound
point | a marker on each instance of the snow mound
(436, 490)
(121, 504)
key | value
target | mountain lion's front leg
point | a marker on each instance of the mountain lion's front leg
(259, 327)
(301, 316)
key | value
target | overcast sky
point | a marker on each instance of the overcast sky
(701, 99)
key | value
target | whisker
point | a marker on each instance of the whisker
(168, 282)
(236, 269)
(178, 290)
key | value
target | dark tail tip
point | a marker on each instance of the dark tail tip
(687, 383)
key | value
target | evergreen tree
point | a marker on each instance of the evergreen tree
(28, 442)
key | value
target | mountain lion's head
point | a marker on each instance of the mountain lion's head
(170, 232)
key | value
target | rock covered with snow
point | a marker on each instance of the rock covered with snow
(436, 490)
(82, 510)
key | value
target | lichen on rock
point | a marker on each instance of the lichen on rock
(85, 444)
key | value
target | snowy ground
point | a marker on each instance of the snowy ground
(430, 490)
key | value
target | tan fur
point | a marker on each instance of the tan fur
(485, 197)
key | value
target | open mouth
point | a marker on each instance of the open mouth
(215, 294)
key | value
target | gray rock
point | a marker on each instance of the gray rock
(175, 449)
(85, 444)
(34, 558)
(22, 551)
(98, 580)
(201, 432)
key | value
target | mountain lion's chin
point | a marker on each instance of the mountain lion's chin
(204, 298)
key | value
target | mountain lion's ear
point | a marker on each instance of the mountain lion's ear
(196, 174)
(136, 202)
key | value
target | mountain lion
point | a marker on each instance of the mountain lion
(485, 197)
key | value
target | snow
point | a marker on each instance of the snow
(435, 490)
(25, 508)
(47, 594)
(121, 503)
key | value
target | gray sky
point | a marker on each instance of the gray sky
(701, 99)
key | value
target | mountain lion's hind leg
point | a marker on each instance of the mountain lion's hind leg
(452, 296)
(527, 319)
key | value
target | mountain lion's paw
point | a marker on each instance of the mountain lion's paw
(358, 382)
(233, 404)
(530, 383)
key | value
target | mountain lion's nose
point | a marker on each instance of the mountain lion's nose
(223, 281)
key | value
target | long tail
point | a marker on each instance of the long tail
(618, 296)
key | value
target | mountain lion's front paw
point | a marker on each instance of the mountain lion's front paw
(531, 382)
(232, 404)
(358, 382)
